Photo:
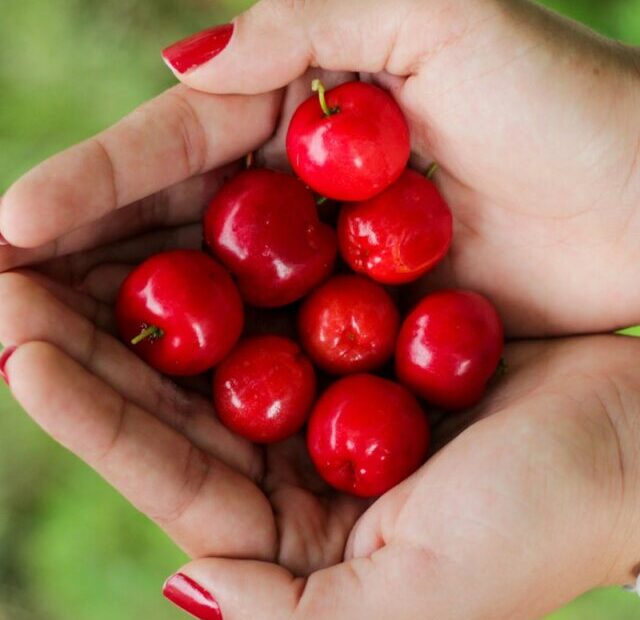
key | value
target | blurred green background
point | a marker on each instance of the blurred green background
(70, 547)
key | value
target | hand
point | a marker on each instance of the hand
(532, 120)
(470, 79)
(532, 504)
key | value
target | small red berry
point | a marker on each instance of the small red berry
(449, 347)
(180, 311)
(349, 143)
(398, 235)
(367, 434)
(263, 225)
(349, 324)
(265, 389)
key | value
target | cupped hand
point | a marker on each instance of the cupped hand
(531, 504)
(530, 120)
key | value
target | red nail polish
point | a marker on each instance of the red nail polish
(4, 358)
(186, 594)
(198, 48)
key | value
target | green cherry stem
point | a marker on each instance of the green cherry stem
(431, 170)
(318, 87)
(321, 200)
(152, 332)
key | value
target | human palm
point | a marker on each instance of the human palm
(542, 187)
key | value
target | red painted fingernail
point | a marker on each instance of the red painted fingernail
(186, 594)
(4, 358)
(198, 48)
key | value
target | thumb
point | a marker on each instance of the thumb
(381, 586)
(275, 41)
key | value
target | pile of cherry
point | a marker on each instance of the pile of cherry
(182, 311)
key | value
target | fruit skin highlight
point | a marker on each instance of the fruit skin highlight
(182, 309)
(349, 325)
(265, 389)
(349, 143)
(367, 434)
(449, 347)
(398, 235)
(263, 226)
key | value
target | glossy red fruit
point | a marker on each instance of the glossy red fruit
(398, 235)
(263, 225)
(349, 143)
(366, 434)
(349, 324)
(265, 389)
(183, 310)
(449, 347)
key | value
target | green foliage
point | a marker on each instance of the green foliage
(70, 547)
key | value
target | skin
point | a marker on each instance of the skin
(533, 497)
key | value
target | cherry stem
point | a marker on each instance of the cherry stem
(321, 200)
(431, 170)
(148, 332)
(318, 87)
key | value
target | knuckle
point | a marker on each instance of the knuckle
(191, 131)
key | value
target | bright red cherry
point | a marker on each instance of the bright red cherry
(349, 324)
(398, 235)
(265, 389)
(180, 312)
(449, 347)
(366, 434)
(263, 225)
(349, 143)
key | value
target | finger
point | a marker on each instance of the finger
(73, 268)
(379, 587)
(104, 281)
(93, 309)
(205, 506)
(178, 135)
(119, 368)
(275, 41)
(178, 205)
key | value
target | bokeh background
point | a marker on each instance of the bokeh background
(70, 547)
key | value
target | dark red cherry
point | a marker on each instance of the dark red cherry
(398, 235)
(349, 143)
(180, 311)
(349, 324)
(449, 347)
(265, 389)
(263, 225)
(367, 434)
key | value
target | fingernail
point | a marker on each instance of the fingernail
(4, 358)
(186, 594)
(198, 48)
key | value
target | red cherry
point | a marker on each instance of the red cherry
(449, 347)
(366, 434)
(350, 143)
(349, 325)
(182, 311)
(398, 235)
(263, 225)
(265, 389)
